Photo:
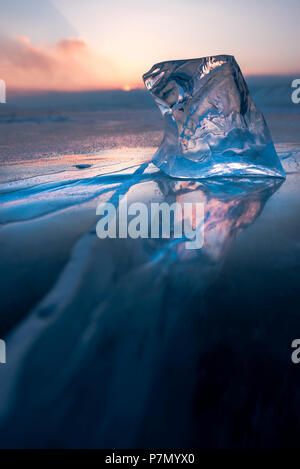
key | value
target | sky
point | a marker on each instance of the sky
(108, 44)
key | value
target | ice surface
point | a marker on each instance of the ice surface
(91, 349)
(212, 126)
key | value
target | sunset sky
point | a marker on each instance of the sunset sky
(107, 44)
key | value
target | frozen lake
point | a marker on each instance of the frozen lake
(124, 343)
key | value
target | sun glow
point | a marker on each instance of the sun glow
(127, 88)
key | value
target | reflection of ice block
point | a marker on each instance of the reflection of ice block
(212, 126)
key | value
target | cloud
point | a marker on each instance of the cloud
(69, 64)
(71, 45)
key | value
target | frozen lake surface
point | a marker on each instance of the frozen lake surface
(124, 343)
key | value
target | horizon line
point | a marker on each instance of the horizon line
(124, 89)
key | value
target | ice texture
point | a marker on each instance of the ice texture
(212, 126)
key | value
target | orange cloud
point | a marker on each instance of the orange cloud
(72, 45)
(67, 65)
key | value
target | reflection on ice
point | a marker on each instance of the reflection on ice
(230, 206)
(87, 364)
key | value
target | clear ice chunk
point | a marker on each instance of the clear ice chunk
(212, 126)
